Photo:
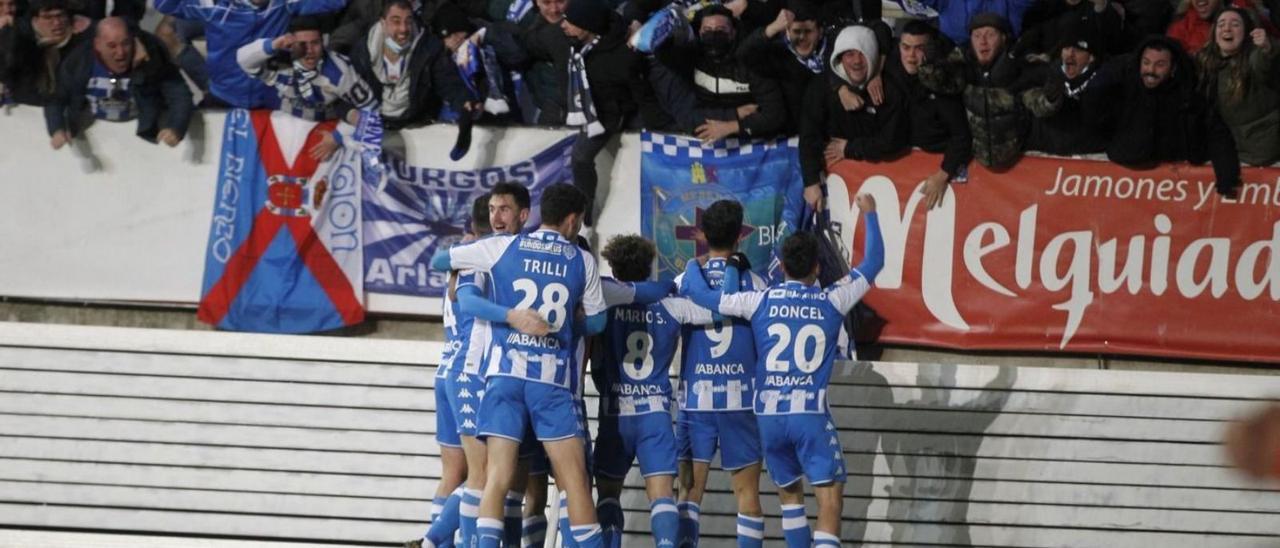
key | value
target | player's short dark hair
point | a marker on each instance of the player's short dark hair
(480, 215)
(514, 190)
(799, 254)
(722, 224)
(559, 201)
(403, 4)
(630, 256)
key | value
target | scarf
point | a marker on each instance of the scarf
(303, 79)
(814, 61)
(582, 111)
(517, 10)
(1077, 85)
(472, 61)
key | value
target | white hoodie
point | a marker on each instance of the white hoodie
(863, 39)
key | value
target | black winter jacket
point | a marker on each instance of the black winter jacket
(937, 122)
(874, 133)
(163, 98)
(433, 80)
(1171, 123)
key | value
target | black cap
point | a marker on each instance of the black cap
(1081, 39)
(450, 18)
(991, 19)
(588, 15)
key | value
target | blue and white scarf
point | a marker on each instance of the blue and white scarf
(813, 61)
(517, 10)
(582, 110)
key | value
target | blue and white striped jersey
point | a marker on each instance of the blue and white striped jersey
(719, 360)
(541, 271)
(796, 329)
(641, 343)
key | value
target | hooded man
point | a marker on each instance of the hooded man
(122, 74)
(708, 91)
(408, 70)
(1158, 115)
(839, 118)
(1057, 106)
(990, 82)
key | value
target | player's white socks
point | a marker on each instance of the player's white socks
(750, 531)
(825, 540)
(795, 526)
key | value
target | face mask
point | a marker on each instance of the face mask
(392, 45)
(717, 43)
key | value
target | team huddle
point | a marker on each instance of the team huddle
(520, 315)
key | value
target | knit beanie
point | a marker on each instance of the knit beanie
(991, 19)
(450, 18)
(863, 39)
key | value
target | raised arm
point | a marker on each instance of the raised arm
(848, 291)
(472, 302)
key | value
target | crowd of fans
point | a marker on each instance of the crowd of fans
(1142, 81)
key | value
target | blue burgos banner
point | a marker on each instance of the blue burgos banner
(680, 177)
(418, 209)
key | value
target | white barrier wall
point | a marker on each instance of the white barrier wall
(322, 439)
(119, 219)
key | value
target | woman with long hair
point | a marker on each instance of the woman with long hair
(1237, 75)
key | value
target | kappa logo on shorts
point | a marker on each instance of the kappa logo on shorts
(468, 424)
(467, 409)
(464, 394)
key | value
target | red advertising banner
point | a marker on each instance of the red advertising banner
(1073, 256)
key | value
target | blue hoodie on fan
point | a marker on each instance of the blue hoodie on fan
(230, 24)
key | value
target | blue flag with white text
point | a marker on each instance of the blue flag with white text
(420, 209)
(680, 177)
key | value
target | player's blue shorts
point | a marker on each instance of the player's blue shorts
(446, 426)
(465, 394)
(532, 451)
(646, 437)
(512, 404)
(799, 445)
(698, 433)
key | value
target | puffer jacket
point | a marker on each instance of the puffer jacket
(992, 98)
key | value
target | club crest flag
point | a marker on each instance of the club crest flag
(680, 177)
(418, 209)
(285, 253)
